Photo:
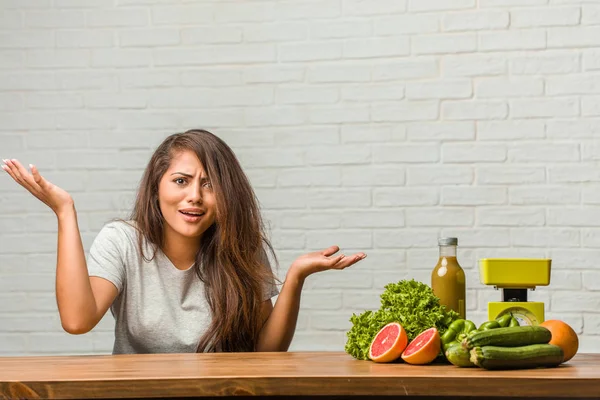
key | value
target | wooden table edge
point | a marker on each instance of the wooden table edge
(301, 386)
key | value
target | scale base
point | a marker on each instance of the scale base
(526, 312)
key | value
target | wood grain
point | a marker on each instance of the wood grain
(280, 374)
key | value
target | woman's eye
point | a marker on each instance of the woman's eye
(179, 181)
(207, 185)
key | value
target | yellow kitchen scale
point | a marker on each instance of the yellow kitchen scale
(515, 276)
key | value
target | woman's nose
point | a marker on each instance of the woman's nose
(195, 194)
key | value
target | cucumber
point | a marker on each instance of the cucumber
(530, 356)
(508, 337)
(459, 356)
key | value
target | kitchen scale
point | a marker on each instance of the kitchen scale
(514, 277)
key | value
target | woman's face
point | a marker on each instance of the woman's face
(185, 196)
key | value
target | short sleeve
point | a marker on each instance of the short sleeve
(270, 287)
(105, 259)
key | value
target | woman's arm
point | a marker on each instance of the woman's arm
(278, 330)
(82, 301)
(280, 325)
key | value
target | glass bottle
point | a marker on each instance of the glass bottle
(448, 278)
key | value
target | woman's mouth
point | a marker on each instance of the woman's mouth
(189, 216)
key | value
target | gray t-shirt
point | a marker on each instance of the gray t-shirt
(159, 308)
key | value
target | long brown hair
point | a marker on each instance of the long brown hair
(232, 255)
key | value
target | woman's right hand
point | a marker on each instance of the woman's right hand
(51, 195)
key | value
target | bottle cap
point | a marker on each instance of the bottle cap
(448, 241)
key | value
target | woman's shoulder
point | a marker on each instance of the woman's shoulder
(120, 230)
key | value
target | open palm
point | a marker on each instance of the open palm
(51, 195)
(317, 261)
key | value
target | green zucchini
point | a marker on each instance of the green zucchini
(530, 356)
(508, 337)
(459, 356)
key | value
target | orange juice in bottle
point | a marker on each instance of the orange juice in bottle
(448, 278)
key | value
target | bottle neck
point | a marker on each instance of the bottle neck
(448, 251)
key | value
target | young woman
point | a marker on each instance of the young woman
(188, 271)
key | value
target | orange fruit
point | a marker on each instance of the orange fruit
(389, 343)
(563, 336)
(424, 348)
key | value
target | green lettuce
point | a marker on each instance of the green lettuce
(409, 302)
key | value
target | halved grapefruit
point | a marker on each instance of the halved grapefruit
(424, 348)
(389, 343)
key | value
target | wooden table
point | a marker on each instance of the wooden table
(297, 375)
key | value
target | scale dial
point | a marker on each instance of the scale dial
(523, 315)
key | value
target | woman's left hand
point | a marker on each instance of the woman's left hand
(323, 260)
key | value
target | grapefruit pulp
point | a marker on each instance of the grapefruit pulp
(424, 348)
(389, 343)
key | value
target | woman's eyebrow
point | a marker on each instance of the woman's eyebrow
(202, 178)
(183, 173)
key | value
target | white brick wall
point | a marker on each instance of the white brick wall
(374, 125)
